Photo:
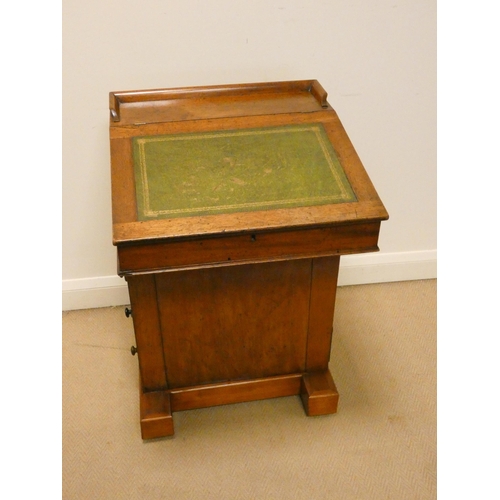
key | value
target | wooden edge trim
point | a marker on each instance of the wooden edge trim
(319, 93)
(234, 224)
(117, 98)
(124, 273)
(114, 107)
(323, 115)
(123, 199)
(234, 392)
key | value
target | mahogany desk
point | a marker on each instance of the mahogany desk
(231, 207)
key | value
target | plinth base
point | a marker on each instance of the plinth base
(317, 390)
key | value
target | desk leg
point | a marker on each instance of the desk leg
(156, 415)
(318, 391)
(319, 394)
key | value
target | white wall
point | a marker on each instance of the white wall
(376, 59)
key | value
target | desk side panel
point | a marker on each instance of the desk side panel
(142, 291)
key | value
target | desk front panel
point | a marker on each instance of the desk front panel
(253, 247)
(234, 323)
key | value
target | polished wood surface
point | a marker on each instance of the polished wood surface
(319, 394)
(232, 323)
(142, 292)
(214, 101)
(156, 414)
(127, 228)
(324, 273)
(254, 247)
(234, 307)
(240, 391)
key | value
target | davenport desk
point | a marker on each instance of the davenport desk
(231, 208)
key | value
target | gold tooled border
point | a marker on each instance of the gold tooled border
(148, 212)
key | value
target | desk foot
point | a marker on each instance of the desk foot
(156, 415)
(319, 394)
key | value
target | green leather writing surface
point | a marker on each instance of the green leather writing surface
(218, 172)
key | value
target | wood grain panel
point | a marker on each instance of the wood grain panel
(234, 323)
(122, 181)
(251, 247)
(142, 291)
(156, 415)
(235, 392)
(323, 290)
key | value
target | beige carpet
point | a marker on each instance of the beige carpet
(380, 445)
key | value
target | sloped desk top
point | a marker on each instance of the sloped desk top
(182, 175)
(231, 160)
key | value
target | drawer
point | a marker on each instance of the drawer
(245, 248)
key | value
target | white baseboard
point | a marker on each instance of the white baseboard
(105, 291)
(89, 293)
(385, 267)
